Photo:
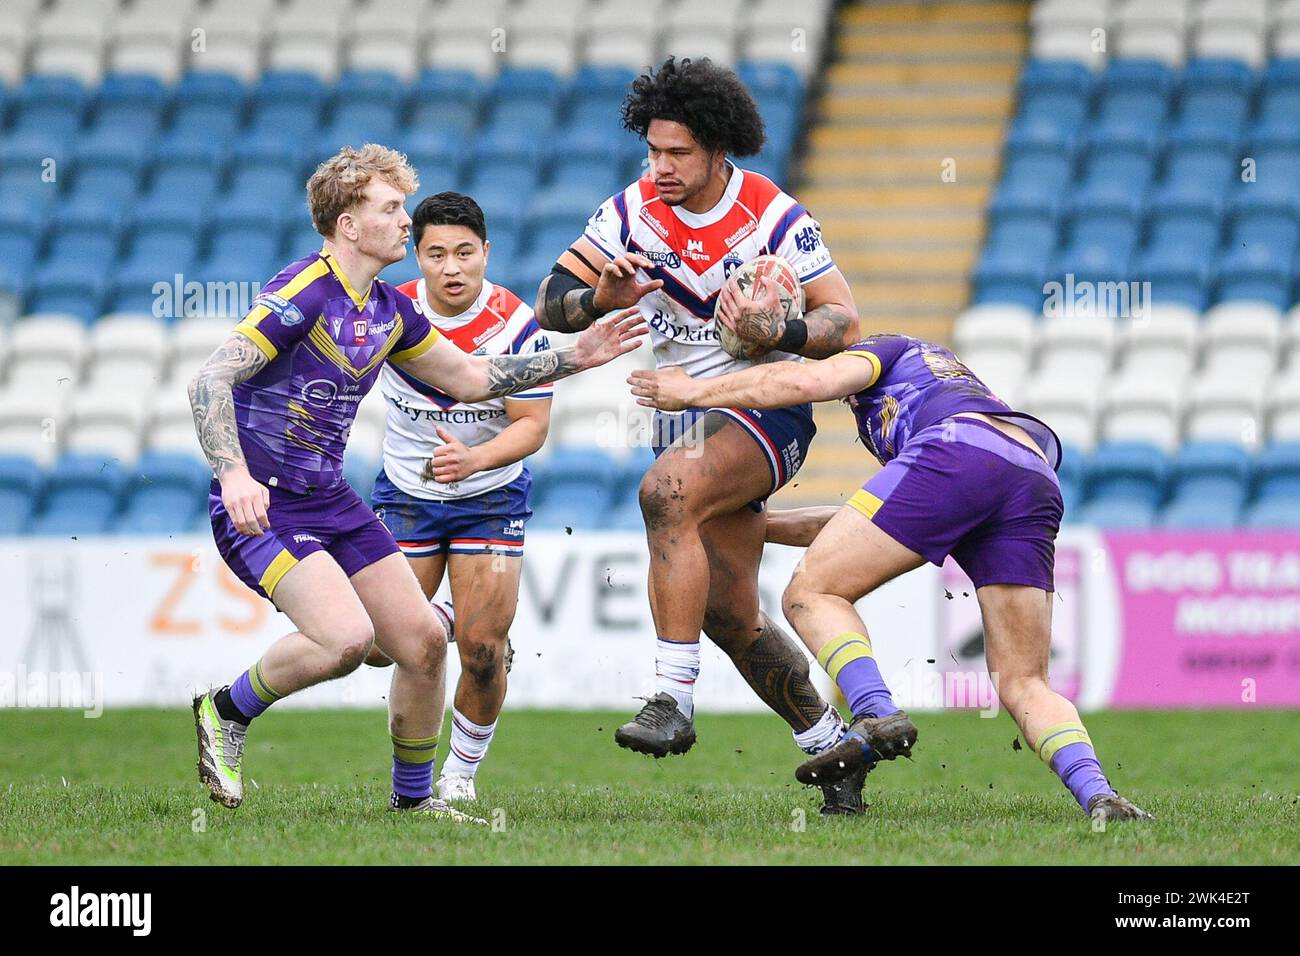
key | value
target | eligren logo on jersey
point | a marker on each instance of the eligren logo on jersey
(695, 251)
(514, 528)
(790, 455)
(669, 260)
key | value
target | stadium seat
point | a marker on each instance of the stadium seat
(1242, 340)
(21, 480)
(165, 495)
(1133, 94)
(1284, 407)
(1142, 409)
(169, 421)
(1257, 273)
(1075, 348)
(82, 496)
(1132, 471)
(1070, 409)
(1208, 482)
(209, 104)
(573, 489)
(51, 105)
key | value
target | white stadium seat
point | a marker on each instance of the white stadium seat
(193, 340)
(48, 336)
(469, 18)
(1241, 339)
(1071, 411)
(1076, 348)
(15, 34)
(1145, 14)
(1162, 343)
(1086, 14)
(1286, 40)
(1231, 42)
(1251, 13)
(128, 350)
(566, 16)
(782, 17)
(392, 22)
(30, 423)
(105, 421)
(1225, 409)
(458, 52)
(169, 423)
(1286, 13)
(22, 8)
(762, 45)
(1152, 43)
(231, 43)
(544, 50)
(1075, 43)
(689, 42)
(399, 57)
(88, 9)
(1006, 326)
(1141, 408)
(1283, 408)
(621, 18)
(148, 43)
(634, 51)
(1002, 370)
(715, 18)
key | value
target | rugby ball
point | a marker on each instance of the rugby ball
(777, 272)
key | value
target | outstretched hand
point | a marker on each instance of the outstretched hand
(609, 338)
(668, 389)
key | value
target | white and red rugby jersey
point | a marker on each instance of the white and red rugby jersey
(694, 253)
(498, 323)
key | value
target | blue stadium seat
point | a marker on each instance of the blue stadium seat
(20, 489)
(50, 105)
(1118, 162)
(1036, 173)
(1010, 276)
(165, 495)
(1279, 91)
(1200, 161)
(1070, 477)
(1184, 221)
(211, 104)
(1273, 514)
(1275, 149)
(1178, 274)
(287, 104)
(1209, 484)
(501, 145)
(1277, 472)
(81, 497)
(1029, 235)
(532, 86)
(1264, 219)
(368, 90)
(265, 187)
(573, 488)
(1120, 513)
(360, 471)
(1256, 273)
(76, 288)
(1216, 92)
(1055, 93)
(448, 101)
(131, 104)
(1134, 94)
(302, 240)
(22, 227)
(156, 256)
(110, 164)
(25, 170)
(1126, 470)
(762, 79)
(603, 175)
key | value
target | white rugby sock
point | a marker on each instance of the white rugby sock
(824, 734)
(469, 745)
(676, 668)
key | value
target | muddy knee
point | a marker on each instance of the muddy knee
(481, 660)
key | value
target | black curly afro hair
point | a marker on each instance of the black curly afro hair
(707, 99)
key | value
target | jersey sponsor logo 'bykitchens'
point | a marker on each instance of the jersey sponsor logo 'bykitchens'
(72, 909)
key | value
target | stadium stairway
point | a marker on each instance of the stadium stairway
(912, 86)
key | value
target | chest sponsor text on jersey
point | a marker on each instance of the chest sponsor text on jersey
(703, 331)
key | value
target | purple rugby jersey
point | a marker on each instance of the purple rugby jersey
(326, 344)
(917, 384)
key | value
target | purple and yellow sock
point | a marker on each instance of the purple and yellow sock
(413, 760)
(1067, 749)
(851, 664)
(251, 694)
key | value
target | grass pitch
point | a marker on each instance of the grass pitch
(122, 789)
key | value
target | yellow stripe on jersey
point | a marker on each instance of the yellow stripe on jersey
(358, 298)
(865, 503)
(309, 274)
(419, 348)
(330, 351)
(870, 357)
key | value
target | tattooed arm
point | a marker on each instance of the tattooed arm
(829, 324)
(585, 284)
(213, 404)
(473, 378)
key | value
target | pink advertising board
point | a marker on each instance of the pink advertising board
(1207, 620)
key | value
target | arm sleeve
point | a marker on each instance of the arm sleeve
(285, 308)
(797, 238)
(607, 229)
(418, 334)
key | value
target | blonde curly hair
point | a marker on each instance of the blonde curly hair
(338, 183)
